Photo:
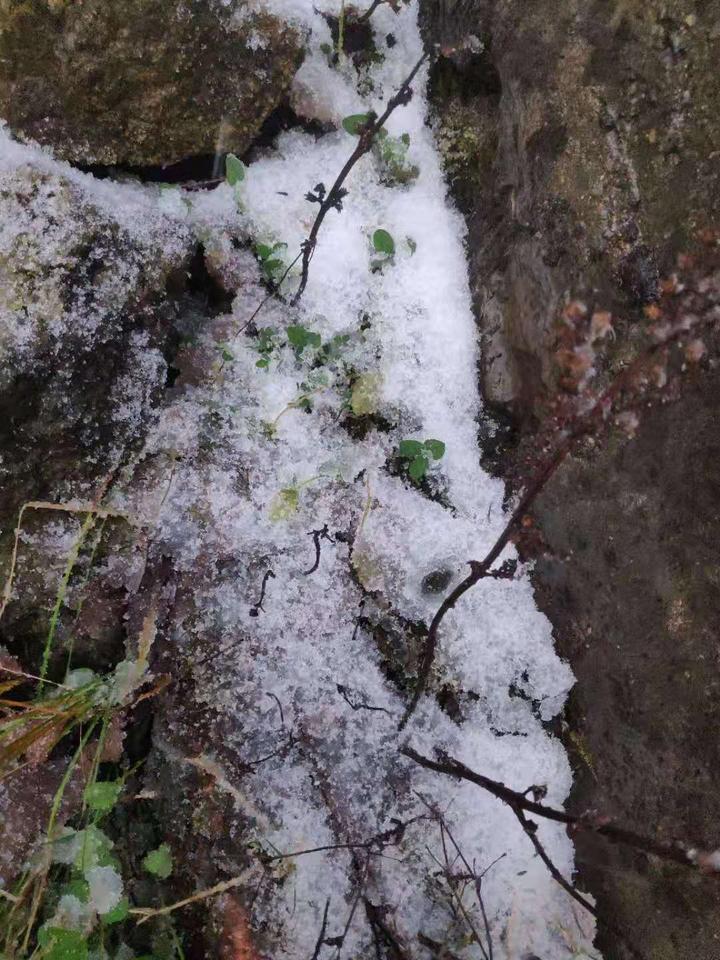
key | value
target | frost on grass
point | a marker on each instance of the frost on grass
(298, 680)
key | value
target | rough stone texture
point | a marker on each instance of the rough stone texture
(583, 147)
(92, 304)
(140, 82)
(587, 134)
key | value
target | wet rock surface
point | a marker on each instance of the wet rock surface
(141, 82)
(586, 168)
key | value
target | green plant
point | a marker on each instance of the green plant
(271, 263)
(418, 456)
(356, 123)
(300, 338)
(392, 157)
(265, 344)
(234, 170)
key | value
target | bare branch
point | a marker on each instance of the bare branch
(584, 424)
(335, 194)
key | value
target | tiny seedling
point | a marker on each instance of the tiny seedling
(417, 456)
(383, 245)
(271, 260)
(299, 338)
(265, 344)
(234, 170)
(391, 153)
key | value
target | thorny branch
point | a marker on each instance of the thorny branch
(334, 196)
(589, 422)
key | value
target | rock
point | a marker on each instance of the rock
(604, 142)
(91, 295)
(582, 142)
(141, 82)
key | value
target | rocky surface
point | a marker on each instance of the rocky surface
(583, 142)
(141, 82)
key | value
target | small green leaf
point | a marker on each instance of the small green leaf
(59, 944)
(284, 504)
(355, 122)
(227, 355)
(118, 913)
(79, 888)
(383, 242)
(300, 337)
(409, 449)
(103, 796)
(418, 468)
(263, 364)
(159, 862)
(234, 170)
(273, 267)
(405, 137)
(436, 448)
(263, 250)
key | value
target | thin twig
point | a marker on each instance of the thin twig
(673, 851)
(147, 913)
(323, 928)
(334, 196)
(584, 424)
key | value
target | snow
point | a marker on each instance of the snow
(224, 515)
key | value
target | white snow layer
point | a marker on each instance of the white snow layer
(412, 334)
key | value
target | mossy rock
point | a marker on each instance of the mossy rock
(141, 82)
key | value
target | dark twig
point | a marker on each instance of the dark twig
(363, 18)
(333, 198)
(673, 851)
(344, 693)
(255, 610)
(317, 536)
(583, 425)
(323, 929)
(530, 828)
(521, 805)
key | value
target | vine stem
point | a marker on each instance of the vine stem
(335, 194)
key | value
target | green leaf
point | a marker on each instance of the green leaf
(263, 250)
(227, 355)
(436, 448)
(383, 242)
(300, 337)
(263, 364)
(284, 504)
(355, 122)
(410, 448)
(418, 468)
(118, 913)
(405, 137)
(59, 944)
(103, 796)
(234, 170)
(79, 888)
(273, 267)
(159, 862)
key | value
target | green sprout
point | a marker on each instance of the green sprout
(418, 456)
